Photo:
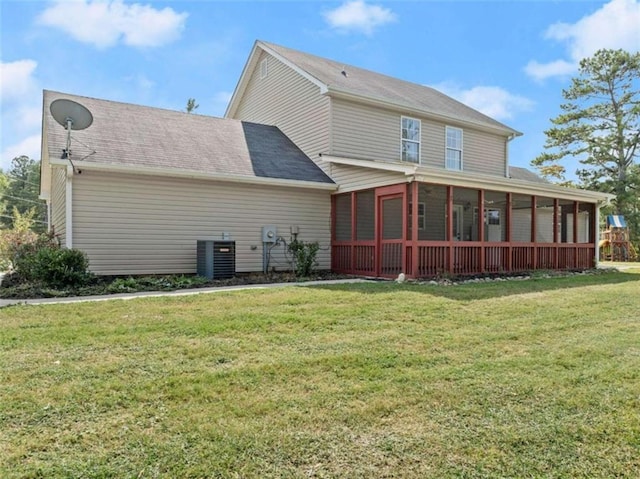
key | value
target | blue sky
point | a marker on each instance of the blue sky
(508, 59)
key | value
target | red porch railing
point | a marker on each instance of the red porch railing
(436, 258)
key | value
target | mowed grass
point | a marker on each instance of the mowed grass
(536, 378)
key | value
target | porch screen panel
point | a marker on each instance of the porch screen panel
(566, 221)
(544, 220)
(392, 219)
(365, 215)
(586, 216)
(343, 217)
(434, 199)
(495, 215)
(521, 219)
(465, 202)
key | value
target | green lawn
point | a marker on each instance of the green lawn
(536, 378)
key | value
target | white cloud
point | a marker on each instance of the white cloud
(105, 23)
(540, 71)
(21, 112)
(356, 15)
(614, 26)
(493, 101)
(29, 146)
(140, 81)
(17, 79)
(28, 116)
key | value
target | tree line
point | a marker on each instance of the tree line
(19, 194)
(599, 125)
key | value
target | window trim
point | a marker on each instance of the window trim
(447, 148)
(418, 142)
(264, 69)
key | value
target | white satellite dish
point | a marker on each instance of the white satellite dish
(71, 115)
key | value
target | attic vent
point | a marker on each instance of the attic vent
(263, 69)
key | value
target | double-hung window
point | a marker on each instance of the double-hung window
(410, 139)
(454, 148)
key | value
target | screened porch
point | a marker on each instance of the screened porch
(426, 230)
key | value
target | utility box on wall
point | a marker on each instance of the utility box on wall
(269, 234)
(216, 259)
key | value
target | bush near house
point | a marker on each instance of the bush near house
(38, 259)
(304, 257)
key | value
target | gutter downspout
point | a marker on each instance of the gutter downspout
(507, 173)
(597, 236)
(68, 203)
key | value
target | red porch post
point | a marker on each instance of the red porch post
(556, 207)
(450, 226)
(414, 229)
(333, 228)
(480, 225)
(576, 207)
(354, 231)
(534, 232)
(509, 235)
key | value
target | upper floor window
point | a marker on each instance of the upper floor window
(454, 148)
(410, 140)
(263, 69)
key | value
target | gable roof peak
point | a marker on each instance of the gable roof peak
(339, 78)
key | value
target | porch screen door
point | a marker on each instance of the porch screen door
(390, 235)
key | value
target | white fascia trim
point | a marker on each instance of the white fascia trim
(242, 82)
(510, 185)
(403, 168)
(176, 173)
(323, 87)
(250, 66)
(410, 110)
(466, 180)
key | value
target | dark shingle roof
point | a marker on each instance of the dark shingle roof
(518, 173)
(139, 136)
(369, 84)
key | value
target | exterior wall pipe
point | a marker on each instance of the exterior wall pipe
(69, 208)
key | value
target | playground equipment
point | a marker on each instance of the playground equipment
(615, 242)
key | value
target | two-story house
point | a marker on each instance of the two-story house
(424, 182)
(388, 176)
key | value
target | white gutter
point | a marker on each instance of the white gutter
(180, 173)
(407, 169)
(507, 173)
(475, 180)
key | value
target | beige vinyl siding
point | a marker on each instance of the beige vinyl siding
(58, 203)
(289, 101)
(353, 178)
(483, 152)
(133, 224)
(365, 132)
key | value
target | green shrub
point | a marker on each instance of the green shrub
(123, 285)
(24, 257)
(58, 267)
(304, 257)
(20, 241)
